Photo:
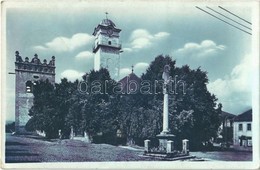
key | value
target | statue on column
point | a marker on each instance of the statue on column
(166, 77)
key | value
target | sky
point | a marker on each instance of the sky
(188, 35)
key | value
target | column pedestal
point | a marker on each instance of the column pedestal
(163, 139)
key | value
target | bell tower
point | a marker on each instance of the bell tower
(27, 73)
(107, 47)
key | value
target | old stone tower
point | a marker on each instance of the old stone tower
(107, 47)
(26, 74)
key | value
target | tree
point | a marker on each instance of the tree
(193, 112)
(192, 109)
(99, 111)
(43, 114)
(68, 106)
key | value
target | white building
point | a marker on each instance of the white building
(242, 131)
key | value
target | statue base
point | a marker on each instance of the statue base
(164, 137)
(166, 149)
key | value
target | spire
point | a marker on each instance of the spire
(132, 68)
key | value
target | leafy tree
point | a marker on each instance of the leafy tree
(64, 94)
(192, 109)
(99, 108)
(193, 112)
(43, 112)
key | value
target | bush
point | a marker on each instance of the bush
(10, 127)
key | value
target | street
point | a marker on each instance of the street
(224, 155)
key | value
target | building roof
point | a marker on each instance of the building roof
(107, 22)
(227, 115)
(126, 82)
(244, 117)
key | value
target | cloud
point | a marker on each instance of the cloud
(39, 47)
(234, 91)
(141, 65)
(84, 55)
(64, 44)
(161, 35)
(141, 43)
(140, 68)
(127, 49)
(141, 38)
(124, 72)
(72, 75)
(204, 49)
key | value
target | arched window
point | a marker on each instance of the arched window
(29, 87)
(109, 42)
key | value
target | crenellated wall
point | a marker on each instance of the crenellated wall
(35, 65)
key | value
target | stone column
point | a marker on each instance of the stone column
(185, 146)
(86, 137)
(71, 132)
(165, 114)
(165, 135)
(147, 146)
(166, 77)
(170, 146)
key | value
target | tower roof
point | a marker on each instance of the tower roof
(107, 22)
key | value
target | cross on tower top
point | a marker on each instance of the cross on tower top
(132, 68)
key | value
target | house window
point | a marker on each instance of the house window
(249, 127)
(109, 42)
(240, 127)
(36, 77)
(228, 123)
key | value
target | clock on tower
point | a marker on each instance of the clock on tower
(107, 47)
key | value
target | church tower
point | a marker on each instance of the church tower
(107, 47)
(26, 74)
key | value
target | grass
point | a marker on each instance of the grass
(31, 148)
(36, 149)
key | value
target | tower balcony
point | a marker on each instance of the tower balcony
(106, 44)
